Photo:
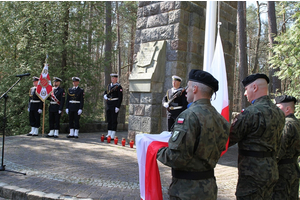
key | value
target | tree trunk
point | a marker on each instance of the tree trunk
(108, 43)
(119, 40)
(256, 67)
(243, 68)
(275, 85)
(132, 46)
(65, 39)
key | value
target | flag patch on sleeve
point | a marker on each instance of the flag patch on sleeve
(180, 120)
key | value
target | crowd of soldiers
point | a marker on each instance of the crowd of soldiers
(267, 134)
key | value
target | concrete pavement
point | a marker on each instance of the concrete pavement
(86, 168)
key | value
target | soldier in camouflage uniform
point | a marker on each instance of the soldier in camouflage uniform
(198, 138)
(287, 186)
(258, 131)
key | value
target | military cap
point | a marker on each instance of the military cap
(56, 79)
(75, 79)
(253, 77)
(177, 78)
(204, 78)
(114, 75)
(285, 99)
(35, 78)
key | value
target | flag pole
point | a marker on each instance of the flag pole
(210, 32)
(43, 119)
(46, 61)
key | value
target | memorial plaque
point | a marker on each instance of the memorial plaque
(145, 58)
(149, 70)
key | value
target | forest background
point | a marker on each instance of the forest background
(92, 39)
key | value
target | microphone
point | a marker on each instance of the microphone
(21, 75)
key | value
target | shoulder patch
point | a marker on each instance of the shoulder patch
(180, 120)
(175, 135)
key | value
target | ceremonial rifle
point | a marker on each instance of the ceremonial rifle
(177, 94)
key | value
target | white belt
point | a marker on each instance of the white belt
(74, 101)
(175, 108)
(53, 102)
(112, 99)
(35, 101)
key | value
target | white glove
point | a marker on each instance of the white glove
(59, 112)
(40, 111)
(105, 97)
(67, 111)
(79, 112)
(28, 109)
(166, 105)
(117, 110)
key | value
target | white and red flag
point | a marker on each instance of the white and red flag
(147, 146)
(218, 70)
(44, 87)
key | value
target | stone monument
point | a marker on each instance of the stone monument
(171, 32)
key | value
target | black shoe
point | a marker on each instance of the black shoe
(70, 136)
(55, 136)
(49, 136)
(105, 138)
(35, 135)
(76, 137)
(29, 134)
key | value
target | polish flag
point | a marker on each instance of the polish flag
(147, 146)
(218, 70)
(44, 87)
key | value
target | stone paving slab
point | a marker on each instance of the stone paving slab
(86, 168)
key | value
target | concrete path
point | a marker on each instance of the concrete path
(86, 168)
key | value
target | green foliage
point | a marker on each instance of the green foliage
(71, 34)
(287, 59)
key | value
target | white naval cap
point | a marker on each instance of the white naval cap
(177, 78)
(114, 75)
(75, 79)
(56, 79)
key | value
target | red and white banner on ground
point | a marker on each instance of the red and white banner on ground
(218, 70)
(44, 87)
(147, 146)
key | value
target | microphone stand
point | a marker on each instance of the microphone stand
(2, 167)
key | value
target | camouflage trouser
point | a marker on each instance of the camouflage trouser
(287, 187)
(182, 189)
(250, 189)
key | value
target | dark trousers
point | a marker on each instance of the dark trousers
(112, 119)
(74, 120)
(34, 118)
(54, 120)
(172, 115)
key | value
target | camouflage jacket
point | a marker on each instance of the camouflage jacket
(199, 136)
(258, 127)
(290, 143)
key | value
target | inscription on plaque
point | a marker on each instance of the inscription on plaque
(145, 58)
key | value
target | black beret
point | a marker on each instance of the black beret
(205, 78)
(253, 77)
(285, 99)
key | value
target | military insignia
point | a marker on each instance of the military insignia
(175, 135)
(180, 120)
